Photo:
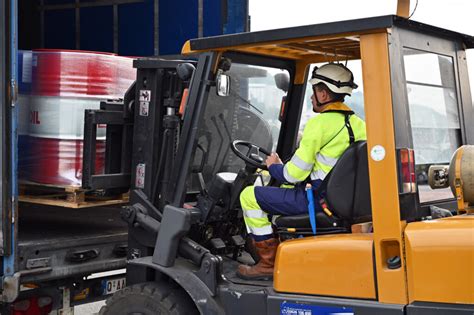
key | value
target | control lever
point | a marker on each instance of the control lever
(137, 215)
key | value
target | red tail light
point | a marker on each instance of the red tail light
(406, 170)
(33, 306)
(184, 100)
(282, 108)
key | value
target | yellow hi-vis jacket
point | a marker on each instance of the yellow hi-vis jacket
(325, 138)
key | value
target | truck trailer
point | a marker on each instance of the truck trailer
(49, 250)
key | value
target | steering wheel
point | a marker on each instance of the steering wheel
(252, 157)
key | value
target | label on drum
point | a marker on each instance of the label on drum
(60, 117)
(140, 176)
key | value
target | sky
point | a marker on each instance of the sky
(456, 15)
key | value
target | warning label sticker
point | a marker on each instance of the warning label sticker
(140, 176)
(144, 106)
(145, 96)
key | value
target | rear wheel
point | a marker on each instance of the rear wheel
(149, 299)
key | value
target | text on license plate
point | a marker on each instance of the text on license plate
(112, 285)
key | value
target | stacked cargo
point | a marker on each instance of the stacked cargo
(63, 85)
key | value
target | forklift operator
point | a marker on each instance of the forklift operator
(325, 137)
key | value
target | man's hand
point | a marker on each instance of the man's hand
(273, 159)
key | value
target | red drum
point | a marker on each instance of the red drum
(126, 74)
(59, 162)
(74, 73)
(65, 83)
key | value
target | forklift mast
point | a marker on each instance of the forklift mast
(142, 136)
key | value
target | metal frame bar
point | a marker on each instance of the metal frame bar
(195, 109)
(428, 84)
(9, 167)
(466, 99)
(92, 118)
(147, 133)
(88, 149)
(403, 8)
(156, 27)
(116, 29)
(356, 27)
(3, 102)
(408, 202)
(388, 227)
(200, 18)
(77, 24)
(10, 262)
(79, 4)
(42, 39)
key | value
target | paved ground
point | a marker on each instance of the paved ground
(88, 309)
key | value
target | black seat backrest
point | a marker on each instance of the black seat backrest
(348, 189)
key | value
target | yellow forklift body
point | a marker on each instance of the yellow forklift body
(332, 265)
(431, 248)
(358, 265)
(343, 265)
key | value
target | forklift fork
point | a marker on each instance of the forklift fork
(117, 115)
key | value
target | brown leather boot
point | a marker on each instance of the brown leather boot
(263, 270)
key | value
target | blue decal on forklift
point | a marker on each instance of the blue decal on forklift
(305, 309)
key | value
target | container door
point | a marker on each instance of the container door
(3, 102)
(8, 91)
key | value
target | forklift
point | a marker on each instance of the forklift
(191, 134)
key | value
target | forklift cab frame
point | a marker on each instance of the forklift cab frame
(361, 280)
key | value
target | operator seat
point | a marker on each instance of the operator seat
(347, 197)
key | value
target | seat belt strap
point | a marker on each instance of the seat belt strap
(349, 129)
(311, 207)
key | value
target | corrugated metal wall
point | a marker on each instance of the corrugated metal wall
(127, 27)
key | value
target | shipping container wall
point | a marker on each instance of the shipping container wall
(127, 27)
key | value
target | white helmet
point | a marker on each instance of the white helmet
(337, 77)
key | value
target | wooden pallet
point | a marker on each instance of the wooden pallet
(66, 196)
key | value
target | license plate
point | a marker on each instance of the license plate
(113, 285)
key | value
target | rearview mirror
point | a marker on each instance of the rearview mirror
(185, 71)
(223, 84)
(282, 81)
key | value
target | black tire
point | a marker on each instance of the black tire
(149, 299)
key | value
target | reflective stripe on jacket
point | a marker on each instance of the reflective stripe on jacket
(325, 138)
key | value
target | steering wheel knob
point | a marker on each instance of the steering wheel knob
(252, 155)
(257, 158)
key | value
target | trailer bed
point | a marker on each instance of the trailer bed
(58, 243)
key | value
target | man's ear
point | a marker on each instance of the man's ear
(325, 96)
